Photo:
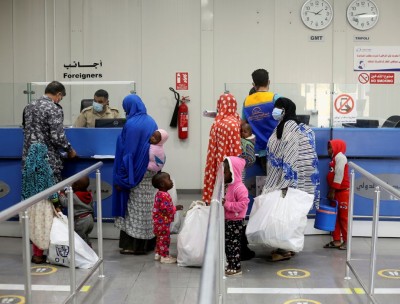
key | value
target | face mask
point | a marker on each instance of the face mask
(97, 107)
(277, 114)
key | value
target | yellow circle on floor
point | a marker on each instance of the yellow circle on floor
(390, 273)
(42, 270)
(302, 301)
(293, 273)
(12, 299)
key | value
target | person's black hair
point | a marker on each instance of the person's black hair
(81, 184)
(260, 78)
(158, 178)
(290, 113)
(54, 88)
(101, 93)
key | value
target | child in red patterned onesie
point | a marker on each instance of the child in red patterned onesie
(163, 215)
(339, 183)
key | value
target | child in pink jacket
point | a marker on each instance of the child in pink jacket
(235, 205)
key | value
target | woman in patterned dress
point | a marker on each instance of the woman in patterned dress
(224, 141)
(292, 160)
(133, 193)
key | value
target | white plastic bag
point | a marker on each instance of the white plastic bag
(192, 238)
(280, 222)
(177, 223)
(85, 257)
(178, 218)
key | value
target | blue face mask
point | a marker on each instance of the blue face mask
(277, 114)
(97, 107)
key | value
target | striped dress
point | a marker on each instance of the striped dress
(292, 160)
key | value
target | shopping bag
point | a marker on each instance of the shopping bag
(192, 237)
(278, 221)
(178, 218)
(59, 252)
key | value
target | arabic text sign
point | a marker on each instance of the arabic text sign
(377, 58)
(344, 109)
(381, 78)
(182, 80)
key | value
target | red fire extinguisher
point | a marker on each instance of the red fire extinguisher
(183, 118)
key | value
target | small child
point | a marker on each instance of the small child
(83, 208)
(235, 205)
(156, 152)
(247, 142)
(163, 215)
(339, 183)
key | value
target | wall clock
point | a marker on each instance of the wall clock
(316, 14)
(362, 14)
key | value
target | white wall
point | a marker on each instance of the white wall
(215, 41)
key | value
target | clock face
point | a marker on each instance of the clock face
(316, 14)
(362, 14)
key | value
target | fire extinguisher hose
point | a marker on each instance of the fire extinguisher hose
(174, 120)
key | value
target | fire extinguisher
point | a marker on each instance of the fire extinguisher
(183, 118)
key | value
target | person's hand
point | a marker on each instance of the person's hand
(71, 153)
(179, 207)
(331, 194)
(223, 201)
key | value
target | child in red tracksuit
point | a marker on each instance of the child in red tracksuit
(235, 206)
(163, 215)
(339, 182)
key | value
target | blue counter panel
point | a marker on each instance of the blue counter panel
(11, 175)
(369, 142)
(12, 140)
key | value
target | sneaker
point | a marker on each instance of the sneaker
(233, 272)
(157, 257)
(168, 260)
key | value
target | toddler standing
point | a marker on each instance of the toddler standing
(235, 205)
(163, 215)
(339, 183)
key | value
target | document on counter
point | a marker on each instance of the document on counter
(99, 156)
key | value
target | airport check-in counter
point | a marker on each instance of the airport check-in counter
(375, 149)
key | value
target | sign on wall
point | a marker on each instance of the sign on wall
(377, 58)
(182, 81)
(344, 109)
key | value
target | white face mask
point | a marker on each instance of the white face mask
(97, 107)
(277, 114)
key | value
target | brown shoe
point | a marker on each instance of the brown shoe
(39, 259)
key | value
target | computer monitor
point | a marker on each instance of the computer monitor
(109, 122)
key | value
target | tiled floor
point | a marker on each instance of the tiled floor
(315, 275)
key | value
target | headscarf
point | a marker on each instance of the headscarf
(290, 114)
(224, 141)
(132, 151)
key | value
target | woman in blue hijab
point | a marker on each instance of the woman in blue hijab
(133, 193)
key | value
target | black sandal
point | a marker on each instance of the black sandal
(331, 245)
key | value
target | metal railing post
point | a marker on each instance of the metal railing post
(99, 222)
(375, 223)
(26, 251)
(350, 224)
(71, 231)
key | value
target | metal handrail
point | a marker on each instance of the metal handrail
(369, 290)
(212, 284)
(21, 206)
(22, 209)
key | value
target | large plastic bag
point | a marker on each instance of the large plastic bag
(280, 222)
(85, 257)
(192, 238)
(178, 218)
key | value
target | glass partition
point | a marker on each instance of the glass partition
(79, 90)
(336, 105)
